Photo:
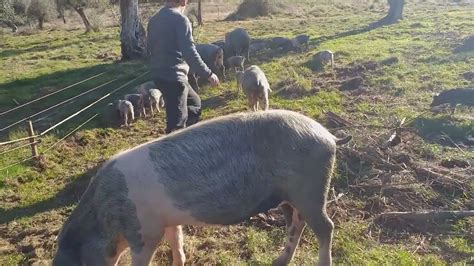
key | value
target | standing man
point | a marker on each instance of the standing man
(171, 44)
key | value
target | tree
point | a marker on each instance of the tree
(40, 10)
(61, 9)
(20, 6)
(132, 35)
(78, 6)
(395, 12)
(13, 13)
(7, 15)
(199, 13)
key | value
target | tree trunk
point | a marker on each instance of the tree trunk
(199, 13)
(40, 22)
(84, 18)
(132, 35)
(395, 12)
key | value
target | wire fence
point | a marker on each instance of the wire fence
(17, 140)
(19, 147)
(49, 94)
(56, 105)
(35, 139)
(70, 133)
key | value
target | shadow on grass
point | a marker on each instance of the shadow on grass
(44, 46)
(268, 55)
(336, 36)
(70, 194)
(452, 255)
(37, 48)
(445, 130)
(219, 100)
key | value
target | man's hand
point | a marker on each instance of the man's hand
(214, 80)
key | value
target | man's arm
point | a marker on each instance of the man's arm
(187, 47)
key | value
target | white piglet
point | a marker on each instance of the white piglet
(156, 100)
(144, 90)
(126, 111)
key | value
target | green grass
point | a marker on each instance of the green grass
(37, 200)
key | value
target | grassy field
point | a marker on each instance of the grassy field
(36, 199)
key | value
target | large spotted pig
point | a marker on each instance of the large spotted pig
(221, 171)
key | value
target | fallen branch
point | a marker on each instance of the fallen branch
(336, 120)
(372, 159)
(445, 172)
(422, 217)
(453, 142)
(382, 186)
(424, 174)
(336, 198)
(452, 163)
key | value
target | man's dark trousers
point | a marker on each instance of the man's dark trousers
(183, 105)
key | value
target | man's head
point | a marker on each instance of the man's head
(177, 3)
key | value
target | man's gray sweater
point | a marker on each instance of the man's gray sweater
(171, 44)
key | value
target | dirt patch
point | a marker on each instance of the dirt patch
(416, 25)
(219, 100)
(291, 89)
(108, 56)
(366, 66)
(389, 61)
(36, 242)
(357, 69)
(453, 163)
(273, 218)
(64, 57)
(352, 84)
(396, 179)
(346, 78)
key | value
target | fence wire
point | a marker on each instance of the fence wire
(51, 146)
(61, 122)
(56, 105)
(49, 94)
